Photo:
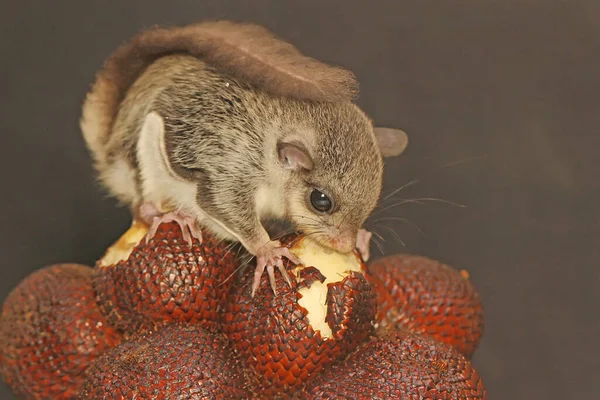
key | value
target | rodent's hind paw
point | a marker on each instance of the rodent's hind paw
(187, 223)
(363, 241)
(268, 257)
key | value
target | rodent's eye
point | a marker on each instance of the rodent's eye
(320, 201)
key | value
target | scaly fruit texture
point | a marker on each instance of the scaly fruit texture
(428, 297)
(141, 285)
(178, 361)
(283, 340)
(397, 364)
(170, 300)
(50, 331)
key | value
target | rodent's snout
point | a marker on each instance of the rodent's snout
(342, 244)
(342, 240)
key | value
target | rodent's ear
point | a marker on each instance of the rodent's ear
(392, 142)
(294, 156)
(152, 142)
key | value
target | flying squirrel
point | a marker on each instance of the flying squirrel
(222, 125)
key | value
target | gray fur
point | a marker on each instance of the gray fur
(223, 135)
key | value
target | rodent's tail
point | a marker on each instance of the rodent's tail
(245, 51)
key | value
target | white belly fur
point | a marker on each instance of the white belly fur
(161, 186)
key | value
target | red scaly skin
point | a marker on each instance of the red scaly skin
(399, 365)
(166, 280)
(273, 335)
(428, 297)
(176, 362)
(169, 299)
(51, 330)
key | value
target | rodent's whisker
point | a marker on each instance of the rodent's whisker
(382, 219)
(395, 235)
(337, 225)
(321, 241)
(343, 221)
(308, 218)
(239, 250)
(230, 276)
(316, 233)
(305, 225)
(229, 247)
(441, 168)
(413, 182)
(317, 237)
(242, 265)
(307, 228)
(420, 200)
(378, 235)
(379, 246)
(464, 160)
(322, 220)
(284, 232)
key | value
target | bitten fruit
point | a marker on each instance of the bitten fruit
(141, 285)
(176, 362)
(328, 311)
(399, 365)
(428, 297)
(50, 331)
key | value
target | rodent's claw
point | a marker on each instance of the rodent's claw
(187, 223)
(284, 272)
(271, 273)
(268, 257)
(195, 231)
(363, 240)
(290, 256)
(260, 268)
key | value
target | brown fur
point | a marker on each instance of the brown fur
(192, 119)
(242, 50)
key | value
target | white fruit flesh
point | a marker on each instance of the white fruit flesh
(334, 266)
(123, 247)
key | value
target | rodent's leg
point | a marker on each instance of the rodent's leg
(269, 256)
(230, 202)
(363, 240)
(187, 222)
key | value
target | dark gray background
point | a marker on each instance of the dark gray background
(508, 87)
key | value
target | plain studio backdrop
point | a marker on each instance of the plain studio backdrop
(501, 103)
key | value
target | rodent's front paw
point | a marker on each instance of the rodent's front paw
(270, 256)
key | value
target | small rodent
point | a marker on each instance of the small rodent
(223, 125)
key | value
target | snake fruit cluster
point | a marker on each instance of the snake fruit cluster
(160, 319)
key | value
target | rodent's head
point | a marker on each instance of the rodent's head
(334, 171)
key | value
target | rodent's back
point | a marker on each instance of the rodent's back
(214, 123)
(223, 119)
(224, 128)
(202, 110)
